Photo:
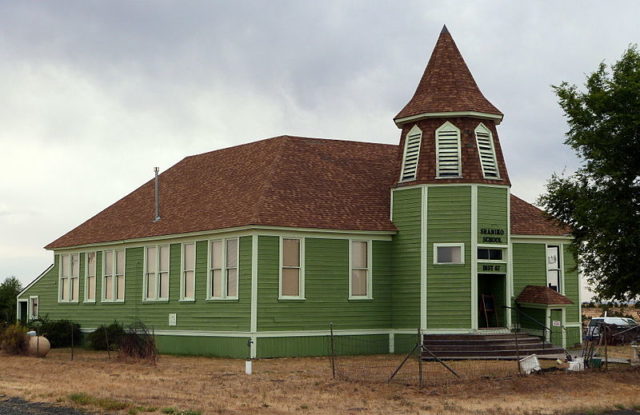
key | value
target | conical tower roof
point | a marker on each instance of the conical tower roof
(447, 86)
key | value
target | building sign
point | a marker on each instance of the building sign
(492, 235)
(492, 268)
(557, 323)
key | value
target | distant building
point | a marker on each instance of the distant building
(271, 241)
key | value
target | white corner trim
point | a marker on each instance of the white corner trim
(254, 288)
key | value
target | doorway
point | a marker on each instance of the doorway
(491, 300)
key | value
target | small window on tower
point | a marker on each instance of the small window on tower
(487, 153)
(490, 254)
(411, 154)
(448, 151)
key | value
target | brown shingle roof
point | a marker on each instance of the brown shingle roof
(447, 84)
(535, 294)
(527, 219)
(283, 181)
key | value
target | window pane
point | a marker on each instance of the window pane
(450, 254)
(483, 253)
(151, 259)
(164, 259)
(75, 289)
(151, 286)
(553, 258)
(232, 282)
(64, 289)
(34, 307)
(91, 286)
(108, 262)
(495, 254)
(66, 265)
(189, 256)
(188, 284)
(164, 285)
(216, 283)
(120, 262)
(232, 253)
(108, 288)
(120, 287)
(91, 260)
(291, 282)
(359, 282)
(216, 254)
(359, 254)
(291, 252)
(75, 265)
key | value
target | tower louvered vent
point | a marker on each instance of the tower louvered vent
(411, 155)
(487, 153)
(448, 148)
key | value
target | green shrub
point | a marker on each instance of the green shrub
(112, 334)
(58, 332)
(14, 339)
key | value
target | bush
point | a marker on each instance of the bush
(139, 343)
(14, 339)
(58, 332)
(112, 333)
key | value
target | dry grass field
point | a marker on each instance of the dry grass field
(192, 385)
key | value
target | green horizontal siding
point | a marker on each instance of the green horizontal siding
(492, 213)
(404, 343)
(574, 336)
(234, 347)
(571, 284)
(449, 286)
(407, 217)
(529, 266)
(321, 345)
(326, 280)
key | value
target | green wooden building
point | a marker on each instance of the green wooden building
(274, 240)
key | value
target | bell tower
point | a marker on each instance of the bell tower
(450, 204)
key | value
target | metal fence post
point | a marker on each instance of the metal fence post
(71, 325)
(420, 343)
(333, 352)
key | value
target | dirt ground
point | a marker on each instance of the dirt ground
(192, 385)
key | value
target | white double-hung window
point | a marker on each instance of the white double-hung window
(188, 280)
(69, 278)
(113, 279)
(222, 282)
(156, 275)
(360, 278)
(90, 280)
(291, 268)
(448, 253)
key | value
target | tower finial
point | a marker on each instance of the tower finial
(444, 29)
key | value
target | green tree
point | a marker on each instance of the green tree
(9, 290)
(601, 201)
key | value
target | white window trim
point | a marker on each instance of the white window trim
(183, 269)
(482, 127)
(30, 315)
(369, 295)
(414, 130)
(448, 125)
(301, 295)
(223, 269)
(145, 299)
(114, 282)
(435, 253)
(69, 286)
(86, 277)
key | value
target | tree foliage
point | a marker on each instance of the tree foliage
(9, 290)
(601, 201)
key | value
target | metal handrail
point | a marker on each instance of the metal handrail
(545, 328)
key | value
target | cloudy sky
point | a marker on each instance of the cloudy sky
(94, 94)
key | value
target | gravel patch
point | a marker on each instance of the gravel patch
(17, 406)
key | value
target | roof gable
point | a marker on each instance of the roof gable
(534, 294)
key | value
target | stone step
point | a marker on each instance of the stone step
(521, 340)
(509, 346)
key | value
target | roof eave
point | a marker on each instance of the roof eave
(450, 114)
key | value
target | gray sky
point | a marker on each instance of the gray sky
(95, 93)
